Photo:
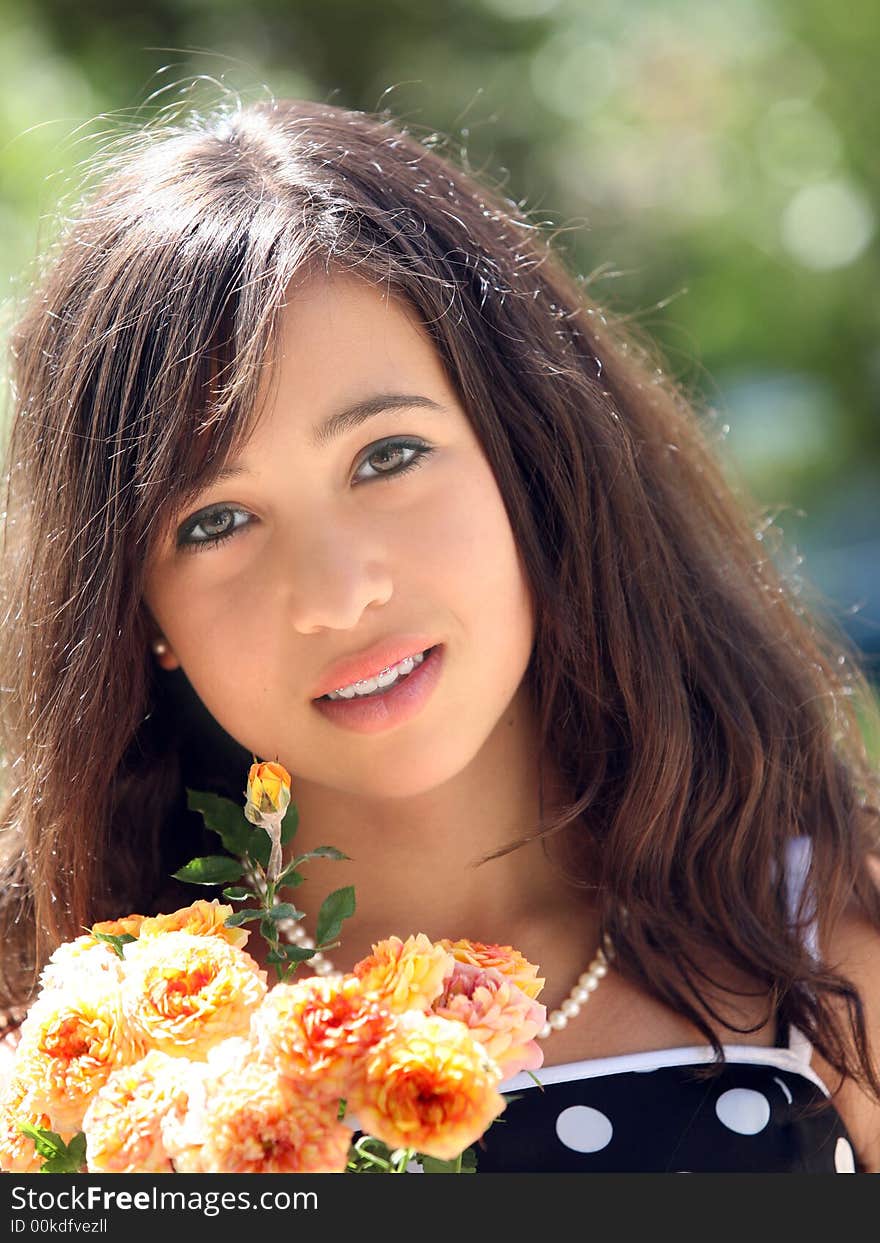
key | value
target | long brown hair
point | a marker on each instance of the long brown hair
(702, 709)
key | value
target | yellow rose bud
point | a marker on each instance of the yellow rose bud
(268, 788)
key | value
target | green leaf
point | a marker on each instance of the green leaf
(210, 870)
(77, 1148)
(337, 906)
(298, 953)
(47, 1143)
(238, 894)
(116, 941)
(289, 824)
(242, 917)
(433, 1165)
(340, 1113)
(60, 1158)
(534, 1080)
(223, 817)
(284, 910)
(289, 877)
(73, 1162)
(466, 1163)
(260, 846)
(469, 1161)
(60, 1165)
(320, 852)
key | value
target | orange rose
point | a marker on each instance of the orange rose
(185, 993)
(429, 1086)
(503, 958)
(129, 924)
(408, 974)
(268, 789)
(201, 918)
(251, 1120)
(123, 1123)
(18, 1155)
(75, 960)
(497, 1013)
(71, 1041)
(320, 1031)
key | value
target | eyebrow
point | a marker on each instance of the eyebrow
(352, 416)
(347, 419)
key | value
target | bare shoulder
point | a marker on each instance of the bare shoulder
(855, 951)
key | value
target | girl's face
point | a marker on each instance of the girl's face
(333, 546)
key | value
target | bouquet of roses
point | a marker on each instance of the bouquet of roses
(156, 1044)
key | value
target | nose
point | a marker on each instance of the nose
(331, 579)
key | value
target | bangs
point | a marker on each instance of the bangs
(212, 373)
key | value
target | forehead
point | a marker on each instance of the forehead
(340, 340)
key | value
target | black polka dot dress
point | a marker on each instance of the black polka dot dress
(766, 1110)
(650, 1113)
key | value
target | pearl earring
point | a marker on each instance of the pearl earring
(160, 647)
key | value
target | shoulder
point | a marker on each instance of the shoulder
(854, 950)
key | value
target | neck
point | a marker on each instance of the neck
(415, 862)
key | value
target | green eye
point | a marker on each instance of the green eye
(390, 447)
(187, 542)
(206, 518)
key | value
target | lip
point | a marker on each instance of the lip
(372, 660)
(376, 713)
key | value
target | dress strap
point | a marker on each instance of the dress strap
(798, 853)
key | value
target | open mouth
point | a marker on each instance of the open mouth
(335, 697)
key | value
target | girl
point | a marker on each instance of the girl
(319, 454)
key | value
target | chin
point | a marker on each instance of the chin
(401, 783)
(405, 773)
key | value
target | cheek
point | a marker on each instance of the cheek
(231, 664)
(502, 593)
(469, 552)
(213, 636)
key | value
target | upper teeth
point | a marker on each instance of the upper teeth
(380, 681)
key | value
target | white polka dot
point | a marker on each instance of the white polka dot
(743, 1110)
(844, 1157)
(584, 1129)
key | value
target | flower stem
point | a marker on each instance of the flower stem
(400, 1168)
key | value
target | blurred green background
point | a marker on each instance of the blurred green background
(714, 169)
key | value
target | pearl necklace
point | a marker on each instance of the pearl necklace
(586, 985)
